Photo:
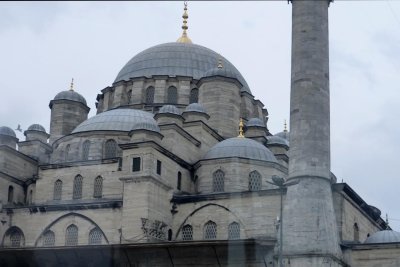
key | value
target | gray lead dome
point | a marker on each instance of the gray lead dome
(70, 95)
(119, 120)
(4, 130)
(385, 236)
(239, 147)
(36, 127)
(176, 59)
(196, 107)
(169, 109)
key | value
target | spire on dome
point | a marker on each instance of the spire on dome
(285, 127)
(72, 85)
(241, 128)
(184, 38)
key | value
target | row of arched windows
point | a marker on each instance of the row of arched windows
(172, 95)
(71, 237)
(110, 150)
(219, 181)
(77, 188)
(210, 231)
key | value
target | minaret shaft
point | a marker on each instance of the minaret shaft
(310, 234)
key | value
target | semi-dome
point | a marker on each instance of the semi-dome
(4, 130)
(284, 135)
(240, 147)
(169, 109)
(36, 127)
(176, 59)
(255, 122)
(224, 72)
(119, 120)
(276, 140)
(385, 236)
(196, 107)
(70, 95)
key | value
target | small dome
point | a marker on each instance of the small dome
(284, 135)
(36, 127)
(196, 107)
(4, 130)
(220, 72)
(119, 120)
(169, 109)
(239, 147)
(385, 236)
(276, 140)
(70, 95)
(255, 122)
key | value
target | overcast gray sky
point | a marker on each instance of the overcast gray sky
(44, 44)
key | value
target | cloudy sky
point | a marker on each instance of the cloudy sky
(44, 44)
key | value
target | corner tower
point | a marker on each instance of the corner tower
(310, 231)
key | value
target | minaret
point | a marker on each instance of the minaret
(310, 231)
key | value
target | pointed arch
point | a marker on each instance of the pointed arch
(187, 232)
(49, 239)
(71, 235)
(254, 181)
(98, 187)
(57, 193)
(172, 95)
(149, 95)
(234, 231)
(218, 181)
(210, 230)
(77, 187)
(10, 198)
(13, 237)
(110, 149)
(194, 96)
(95, 237)
(85, 150)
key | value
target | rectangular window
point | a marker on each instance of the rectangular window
(136, 164)
(158, 167)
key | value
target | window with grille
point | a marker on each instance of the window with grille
(98, 187)
(218, 181)
(129, 96)
(85, 150)
(57, 190)
(254, 181)
(194, 96)
(71, 235)
(136, 164)
(15, 238)
(95, 237)
(234, 231)
(110, 149)
(150, 95)
(49, 239)
(187, 232)
(210, 230)
(67, 149)
(158, 167)
(10, 194)
(77, 189)
(179, 182)
(172, 95)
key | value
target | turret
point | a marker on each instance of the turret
(68, 110)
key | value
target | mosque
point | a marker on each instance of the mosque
(178, 168)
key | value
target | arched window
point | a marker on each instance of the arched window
(49, 239)
(172, 95)
(98, 187)
(95, 236)
(356, 232)
(210, 230)
(150, 95)
(169, 234)
(30, 197)
(187, 232)
(218, 181)
(67, 149)
(234, 231)
(85, 150)
(179, 182)
(194, 96)
(129, 96)
(57, 190)
(10, 194)
(16, 238)
(71, 235)
(110, 149)
(77, 189)
(254, 181)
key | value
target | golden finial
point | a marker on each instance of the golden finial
(220, 65)
(285, 127)
(241, 128)
(72, 85)
(184, 38)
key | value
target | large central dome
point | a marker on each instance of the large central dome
(176, 59)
